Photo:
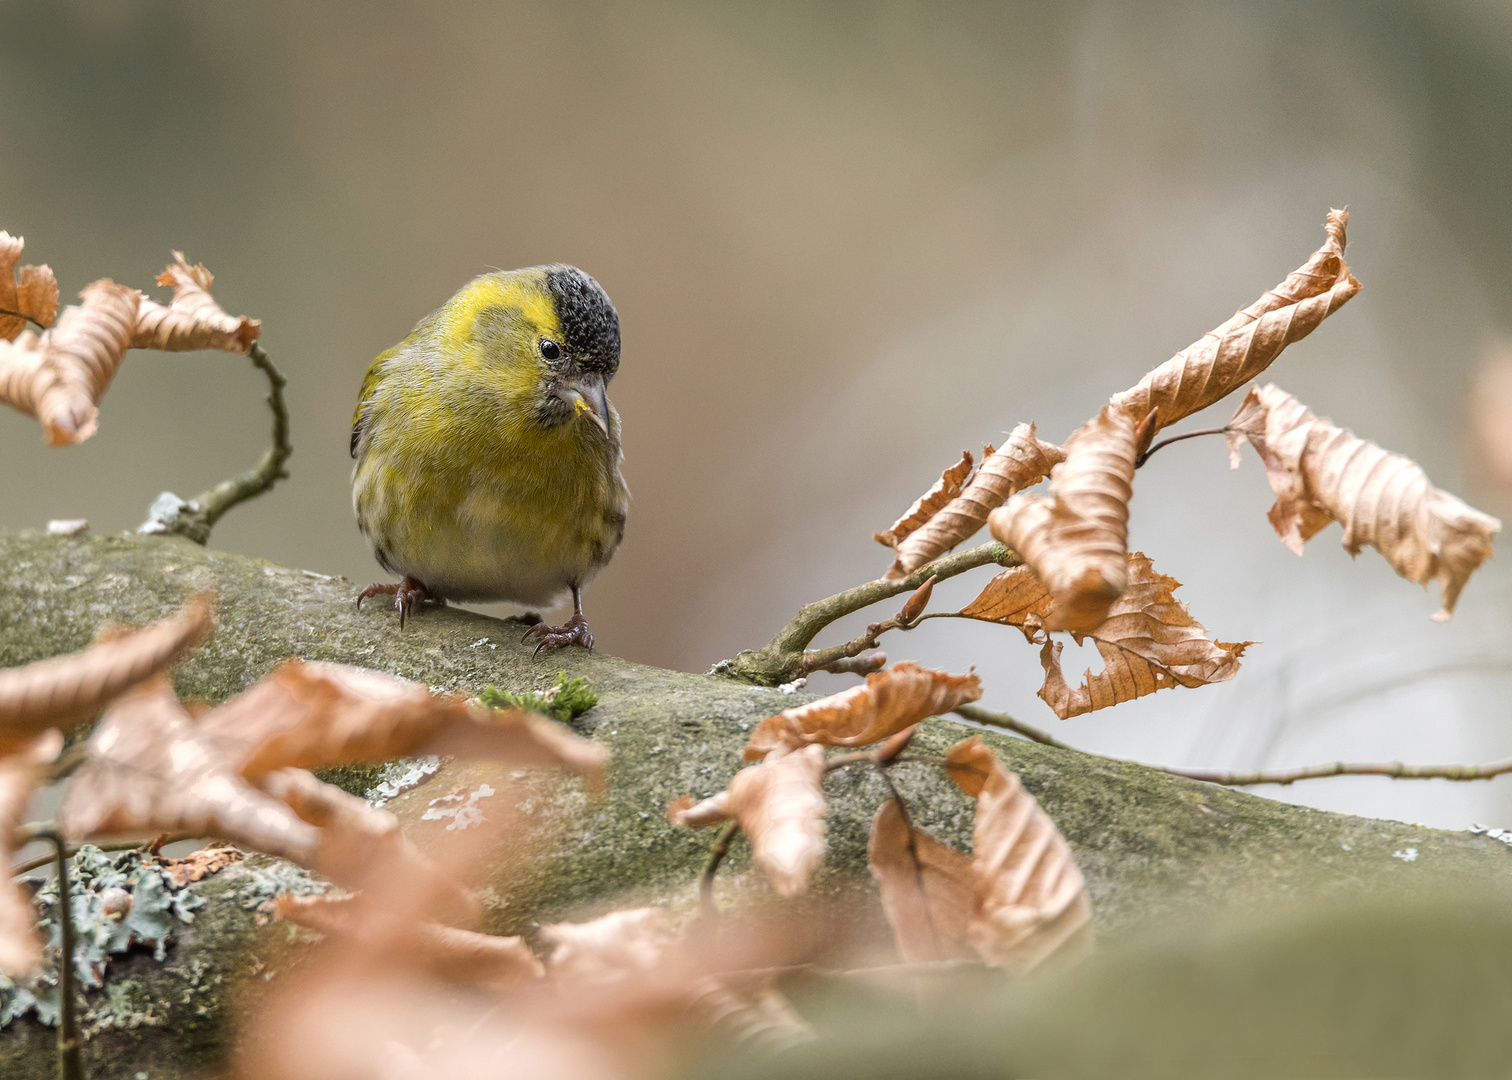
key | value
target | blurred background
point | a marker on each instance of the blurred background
(846, 241)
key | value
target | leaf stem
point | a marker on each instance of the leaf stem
(1144, 457)
(717, 853)
(70, 1064)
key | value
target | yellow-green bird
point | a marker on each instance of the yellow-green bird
(488, 455)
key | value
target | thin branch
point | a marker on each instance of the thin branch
(1144, 457)
(70, 1065)
(717, 853)
(196, 517)
(23, 315)
(784, 658)
(1394, 769)
(117, 845)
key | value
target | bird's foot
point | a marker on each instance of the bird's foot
(406, 594)
(573, 632)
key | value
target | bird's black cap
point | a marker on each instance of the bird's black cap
(589, 322)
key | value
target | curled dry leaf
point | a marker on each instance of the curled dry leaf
(927, 888)
(1023, 461)
(21, 772)
(65, 690)
(459, 956)
(1015, 597)
(309, 714)
(620, 946)
(60, 377)
(148, 770)
(890, 701)
(1239, 350)
(714, 810)
(361, 847)
(780, 805)
(947, 487)
(194, 320)
(1322, 473)
(1148, 642)
(1029, 898)
(27, 293)
(1077, 541)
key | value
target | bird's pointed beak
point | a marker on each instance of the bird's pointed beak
(589, 398)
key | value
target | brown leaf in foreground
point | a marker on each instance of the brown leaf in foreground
(21, 772)
(1077, 541)
(66, 690)
(927, 888)
(715, 810)
(1023, 461)
(1016, 597)
(947, 487)
(459, 956)
(781, 807)
(310, 714)
(1148, 642)
(620, 946)
(60, 377)
(194, 320)
(1240, 349)
(27, 294)
(1322, 473)
(890, 701)
(1029, 898)
(149, 770)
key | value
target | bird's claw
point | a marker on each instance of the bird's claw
(406, 594)
(573, 632)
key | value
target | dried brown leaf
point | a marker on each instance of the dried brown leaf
(150, 770)
(1148, 642)
(947, 487)
(1023, 461)
(715, 810)
(21, 773)
(194, 320)
(623, 945)
(60, 377)
(459, 956)
(66, 690)
(361, 847)
(1240, 349)
(27, 294)
(890, 701)
(1076, 542)
(310, 714)
(1322, 473)
(1490, 409)
(780, 805)
(1015, 597)
(927, 888)
(1029, 898)
(200, 864)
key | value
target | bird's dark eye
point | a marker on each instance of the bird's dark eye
(550, 349)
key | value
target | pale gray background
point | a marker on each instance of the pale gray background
(845, 241)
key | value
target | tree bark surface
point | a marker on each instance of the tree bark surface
(1151, 845)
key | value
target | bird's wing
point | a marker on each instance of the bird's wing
(365, 395)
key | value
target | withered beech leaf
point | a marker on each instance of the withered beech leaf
(622, 945)
(1077, 541)
(310, 714)
(361, 847)
(149, 770)
(60, 377)
(890, 701)
(21, 772)
(27, 293)
(1023, 461)
(715, 810)
(927, 888)
(1015, 597)
(1240, 349)
(1029, 898)
(1322, 473)
(780, 805)
(460, 956)
(947, 487)
(750, 1011)
(65, 690)
(1148, 642)
(194, 320)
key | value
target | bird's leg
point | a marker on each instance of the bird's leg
(573, 632)
(406, 594)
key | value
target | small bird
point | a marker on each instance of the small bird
(488, 454)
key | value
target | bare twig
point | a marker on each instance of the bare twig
(70, 1065)
(195, 518)
(1144, 457)
(1002, 720)
(785, 658)
(116, 845)
(717, 853)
